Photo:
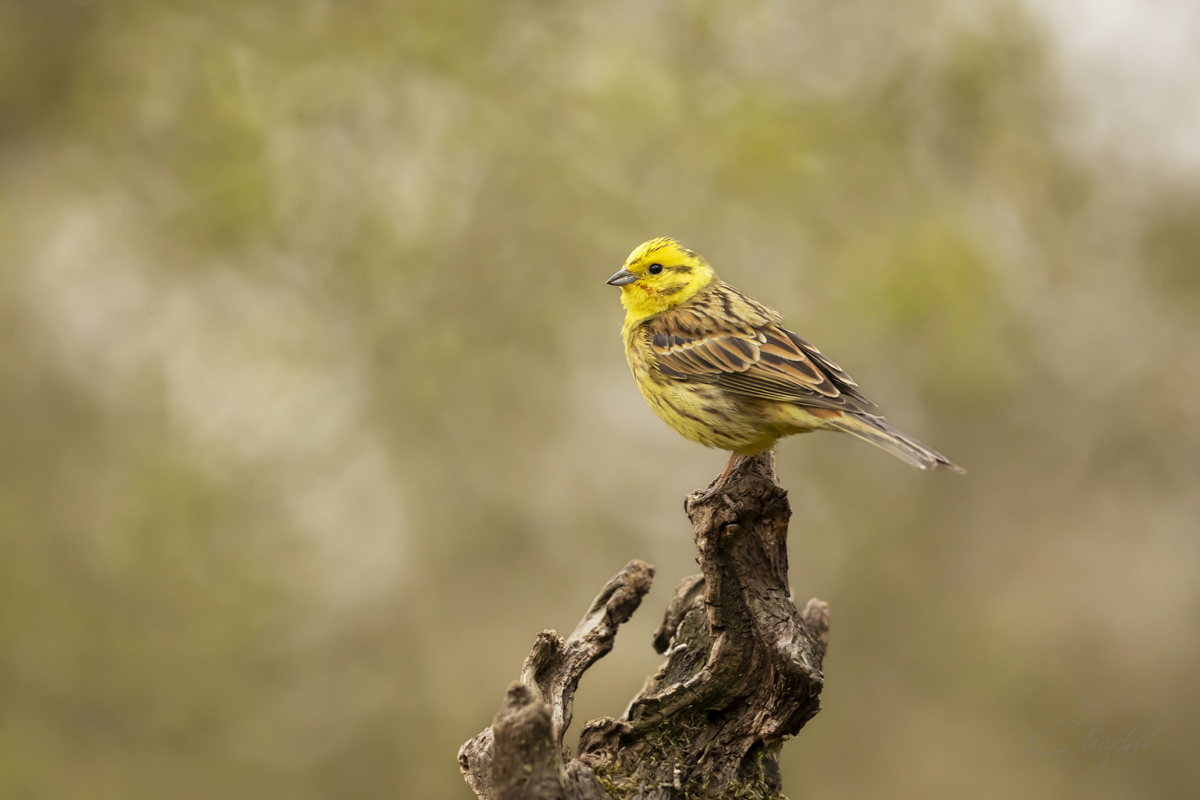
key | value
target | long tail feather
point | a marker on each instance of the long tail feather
(874, 430)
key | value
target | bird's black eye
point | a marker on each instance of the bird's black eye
(655, 269)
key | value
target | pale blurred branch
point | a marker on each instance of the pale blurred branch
(743, 672)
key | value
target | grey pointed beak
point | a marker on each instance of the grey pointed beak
(621, 278)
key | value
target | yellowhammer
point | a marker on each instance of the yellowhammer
(720, 368)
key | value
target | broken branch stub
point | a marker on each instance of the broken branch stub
(743, 670)
(550, 677)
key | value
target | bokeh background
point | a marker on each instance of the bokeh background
(313, 407)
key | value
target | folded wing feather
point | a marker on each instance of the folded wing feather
(724, 338)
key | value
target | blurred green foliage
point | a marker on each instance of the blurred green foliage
(313, 410)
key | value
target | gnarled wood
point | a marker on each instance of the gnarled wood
(743, 672)
(549, 679)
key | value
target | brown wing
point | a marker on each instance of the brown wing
(724, 338)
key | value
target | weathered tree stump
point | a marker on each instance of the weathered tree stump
(743, 672)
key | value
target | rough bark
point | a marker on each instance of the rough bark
(743, 672)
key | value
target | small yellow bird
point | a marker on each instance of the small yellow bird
(721, 369)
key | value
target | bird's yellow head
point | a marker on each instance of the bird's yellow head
(659, 275)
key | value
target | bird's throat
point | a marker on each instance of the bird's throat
(643, 302)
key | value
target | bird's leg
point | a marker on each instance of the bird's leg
(732, 458)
